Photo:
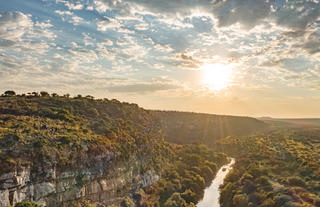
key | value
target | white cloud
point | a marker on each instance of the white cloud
(141, 26)
(71, 5)
(107, 23)
(70, 17)
(17, 29)
(13, 25)
(143, 87)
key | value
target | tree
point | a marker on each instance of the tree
(296, 181)
(226, 194)
(44, 93)
(268, 203)
(240, 200)
(127, 202)
(175, 200)
(54, 95)
(89, 97)
(9, 93)
(189, 196)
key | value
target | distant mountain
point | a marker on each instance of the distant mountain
(292, 123)
(187, 127)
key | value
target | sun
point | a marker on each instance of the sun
(216, 76)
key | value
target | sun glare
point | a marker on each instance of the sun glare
(216, 76)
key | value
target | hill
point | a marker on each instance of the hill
(292, 123)
(66, 151)
(75, 149)
(187, 127)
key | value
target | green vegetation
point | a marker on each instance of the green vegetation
(191, 170)
(38, 129)
(281, 168)
(274, 169)
(27, 204)
(189, 128)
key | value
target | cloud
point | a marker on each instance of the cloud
(13, 25)
(298, 15)
(312, 43)
(249, 13)
(78, 5)
(157, 84)
(143, 39)
(105, 23)
(186, 61)
(70, 17)
(19, 31)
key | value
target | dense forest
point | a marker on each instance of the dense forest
(187, 127)
(280, 168)
(192, 169)
(39, 129)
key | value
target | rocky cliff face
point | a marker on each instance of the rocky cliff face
(105, 181)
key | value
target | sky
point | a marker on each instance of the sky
(237, 57)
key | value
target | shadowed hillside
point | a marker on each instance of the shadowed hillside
(186, 127)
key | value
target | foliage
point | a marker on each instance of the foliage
(27, 204)
(280, 168)
(42, 128)
(9, 93)
(127, 202)
(190, 171)
(64, 130)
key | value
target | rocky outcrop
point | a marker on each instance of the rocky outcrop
(105, 181)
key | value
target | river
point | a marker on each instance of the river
(212, 193)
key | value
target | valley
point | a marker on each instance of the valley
(81, 151)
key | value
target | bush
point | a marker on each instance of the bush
(27, 204)
(175, 200)
(296, 181)
(127, 202)
(240, 200)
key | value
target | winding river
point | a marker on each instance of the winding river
(211, 194)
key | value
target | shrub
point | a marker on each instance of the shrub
(296, 181)
(175, 200)
(240, 200)
(27, 204)
(127, 202)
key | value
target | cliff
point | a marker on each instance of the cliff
(106, 182)
(59, 150)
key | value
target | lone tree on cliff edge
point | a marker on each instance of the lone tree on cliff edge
(9, 93)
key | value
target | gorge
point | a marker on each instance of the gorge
(57, 151)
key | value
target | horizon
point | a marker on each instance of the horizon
(176, 110)
(204, 56)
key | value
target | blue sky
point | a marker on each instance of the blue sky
(153, 52)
